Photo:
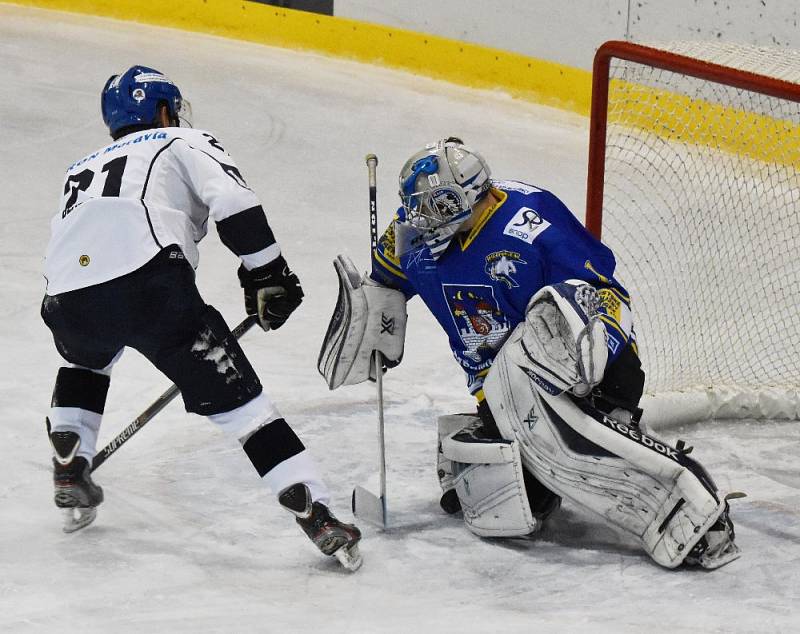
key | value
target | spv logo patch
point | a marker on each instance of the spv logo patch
(526, 225)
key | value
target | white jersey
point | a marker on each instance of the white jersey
(125, 202)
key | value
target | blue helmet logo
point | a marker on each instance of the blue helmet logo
(427, 165)
(133, 98)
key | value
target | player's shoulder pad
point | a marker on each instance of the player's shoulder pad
(190, 135)
(202, 140)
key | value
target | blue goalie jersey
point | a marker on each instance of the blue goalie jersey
(479, 287)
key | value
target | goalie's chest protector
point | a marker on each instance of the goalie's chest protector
(479, 288)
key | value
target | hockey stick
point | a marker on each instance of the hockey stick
(367, 505)
(160, 403)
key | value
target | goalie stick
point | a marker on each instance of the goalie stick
(160, 403)
(367, 505)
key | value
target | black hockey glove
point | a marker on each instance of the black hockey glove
(271, 292)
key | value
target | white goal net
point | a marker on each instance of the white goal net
(701, 205)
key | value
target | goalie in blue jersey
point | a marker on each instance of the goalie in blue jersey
(544, 333)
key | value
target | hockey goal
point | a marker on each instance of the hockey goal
(694, 182)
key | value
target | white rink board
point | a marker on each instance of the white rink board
(570, 32)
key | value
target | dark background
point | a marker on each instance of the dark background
(315, 6)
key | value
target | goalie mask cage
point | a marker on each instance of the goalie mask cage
(694, 183)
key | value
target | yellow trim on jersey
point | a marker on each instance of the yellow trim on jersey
(622, 296)
(480, 395)
(613, 323)
(381, 259)
(387, 241)
(464, 63)
(590, 267)
(485, 216)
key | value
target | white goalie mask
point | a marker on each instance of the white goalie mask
(439, 187)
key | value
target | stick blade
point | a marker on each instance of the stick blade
(369, 507)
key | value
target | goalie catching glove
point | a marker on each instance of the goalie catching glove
(565, 339)
(368, 317)
(271, 292)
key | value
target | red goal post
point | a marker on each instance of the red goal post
(694, 182)
(665, 60)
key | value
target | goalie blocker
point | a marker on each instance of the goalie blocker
(368, 317)
(638, 483)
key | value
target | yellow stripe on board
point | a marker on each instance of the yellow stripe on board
(680, 118)
(467, 64)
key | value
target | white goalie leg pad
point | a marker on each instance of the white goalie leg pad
(445, 426)
(639, 484)
(489, 483)
(564, 337)
(367, 317)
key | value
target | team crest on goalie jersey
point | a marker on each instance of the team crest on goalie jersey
(501, 265)
(481, 324)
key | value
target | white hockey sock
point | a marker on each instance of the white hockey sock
(83, 422)
(242, 421)
(299, 468)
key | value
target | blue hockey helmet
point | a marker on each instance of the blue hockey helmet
(132, 99)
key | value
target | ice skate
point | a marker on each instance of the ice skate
(330, 535)
(717, 546)
(75, 492)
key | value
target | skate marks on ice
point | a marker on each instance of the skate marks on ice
(757, 457)
(180, 490)
(760, 459)
(187, 539)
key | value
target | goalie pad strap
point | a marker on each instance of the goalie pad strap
(445, 426)
(492, 493)
(484, 452)
(367, 317)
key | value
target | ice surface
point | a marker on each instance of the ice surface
(188, 539)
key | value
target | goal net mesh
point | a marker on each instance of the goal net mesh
(701, 206)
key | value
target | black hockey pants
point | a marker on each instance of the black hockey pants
(158, 311)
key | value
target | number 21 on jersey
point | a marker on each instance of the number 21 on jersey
(82, 181)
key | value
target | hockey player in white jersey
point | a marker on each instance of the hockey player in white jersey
(120, 273)
(544, 334)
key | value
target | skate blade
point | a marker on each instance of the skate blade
(712, 562)
(77, 518)
(350, 557)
